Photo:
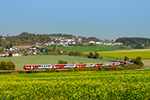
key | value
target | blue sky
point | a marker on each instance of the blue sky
(104, 19)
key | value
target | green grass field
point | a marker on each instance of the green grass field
(91, 48)
(122, 54)
(84, 85)
(47, 59)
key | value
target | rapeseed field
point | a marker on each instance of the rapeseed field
(84, 85)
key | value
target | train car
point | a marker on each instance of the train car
(122, 63)
(31, 66)
(90, 65)
(37, 66)
(98, 64)
(64, 66)
(43, 66)
(81, 65)
(59, 66)
(70, 66)
(105, 64)
(112, 64)
(117, 63)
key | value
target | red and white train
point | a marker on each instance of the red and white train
(58, 66)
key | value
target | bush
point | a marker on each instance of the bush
(114, 67)
(16, 72)
(7, 65)
(132, 66)
(50, 70)
(79, 69)
(88, 69)
(126, 58)
(120, 68)
(72, 69)
(62, 62)
(102, 69)
(96, 69)
(138, 61)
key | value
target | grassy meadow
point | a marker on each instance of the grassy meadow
(84, 85)
(91, 48)
(47, 59)
(122, 54)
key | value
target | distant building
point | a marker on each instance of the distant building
(92, 42)
(33, 48)
(85, 44)
(16, 54)
(99, 42)
(38, 44)
(4, 54)
(109, 43)
(118, 43)
(61, 51)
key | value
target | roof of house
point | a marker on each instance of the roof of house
(15, 52)
(2, 53)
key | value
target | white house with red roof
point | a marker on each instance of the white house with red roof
(15, 54)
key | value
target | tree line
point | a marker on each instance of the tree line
(134, 42)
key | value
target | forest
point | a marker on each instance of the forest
(135, 42)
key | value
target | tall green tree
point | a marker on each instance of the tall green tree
(10, 65)
(4, 65)
(138, 61)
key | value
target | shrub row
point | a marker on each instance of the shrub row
(7, 65)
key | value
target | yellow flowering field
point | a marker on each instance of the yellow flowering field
(84, 85)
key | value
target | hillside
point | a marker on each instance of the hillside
(135, 42)
(96, 48)
(47, 59)
(26, 38)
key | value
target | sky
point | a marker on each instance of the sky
(104, 19)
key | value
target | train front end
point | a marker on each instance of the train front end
(26, 67)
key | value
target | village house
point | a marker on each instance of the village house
(91, 41)
(109, 43)
(85, 44)
(99, 42)
(61, 51)
(38, 44)
(4, 54)
(33, 48)
(118, 43)
(16, 54)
